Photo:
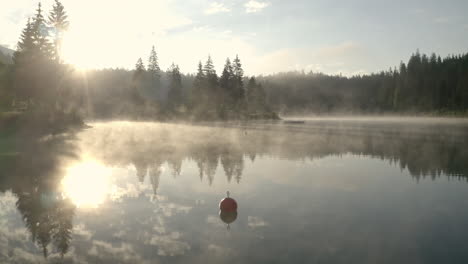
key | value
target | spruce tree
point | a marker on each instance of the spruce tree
(239, 93)
(200, 77)
(33, 81)
(139, 66)
(58, 19)
(175, 94)
(209, 69)
(25, 45)
(153, 65)
(226, 82)
(256, 96)
(137, 82)
(40, 34)
(154, 72)
(211, 87)
(198, 92)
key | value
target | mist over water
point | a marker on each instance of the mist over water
(329, 190)
(192, 153)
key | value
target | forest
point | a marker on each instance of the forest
(41, 86)
(423, 85)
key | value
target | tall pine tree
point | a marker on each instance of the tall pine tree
(239, 92)
(40, 35)
(199, 93)
(227, 85)
(211, 87)
(25, 44)
(154, 72)
(175, 94)
(58, 20)
(153, 66)
(138, 82)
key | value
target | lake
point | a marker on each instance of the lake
(335, 190)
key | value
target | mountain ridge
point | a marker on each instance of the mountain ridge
(6, 55)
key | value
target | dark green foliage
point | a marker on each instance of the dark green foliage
(232, 85)
(153, 65)
(155, 73)
(238, 84)
(138, 82)
(211, 77)
(226, 83)
(34, 68)
(256, 97)
(198, 91)
(6, 91)
(139, 67)
(41, 84)
(424, 84)
(213, 98)
(175, 94)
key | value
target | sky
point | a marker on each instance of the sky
(270, 36)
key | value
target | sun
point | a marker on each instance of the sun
(74, 51)
(89, 47)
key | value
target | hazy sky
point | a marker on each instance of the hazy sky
(269, 35)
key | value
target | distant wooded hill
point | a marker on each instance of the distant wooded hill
(426, 83)
(6, 55)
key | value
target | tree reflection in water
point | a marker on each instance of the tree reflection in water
(425, 151)
(35, 175)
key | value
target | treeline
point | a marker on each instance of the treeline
(427, 84)
(203, 96)
(40, 83)
(55, 94)
(147, 92)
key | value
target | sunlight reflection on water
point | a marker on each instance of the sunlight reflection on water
(87, 184)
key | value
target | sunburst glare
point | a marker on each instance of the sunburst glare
(87, 184)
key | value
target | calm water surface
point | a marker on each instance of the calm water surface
(326, 191)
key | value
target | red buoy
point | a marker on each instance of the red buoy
(228, 204)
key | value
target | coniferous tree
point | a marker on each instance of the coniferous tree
(139, 66)
(175, 94)
(227, 85)
(256, 97)
(40, 36)
(211, 86)
(199, 93)
(153, 67)
(33, 69)
(210, 73)
(200, 77)
(25, 45)
(21, 59)
(239, 92)
(58, 19)
(137, 82)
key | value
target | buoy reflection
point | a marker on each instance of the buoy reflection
(228, 210)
